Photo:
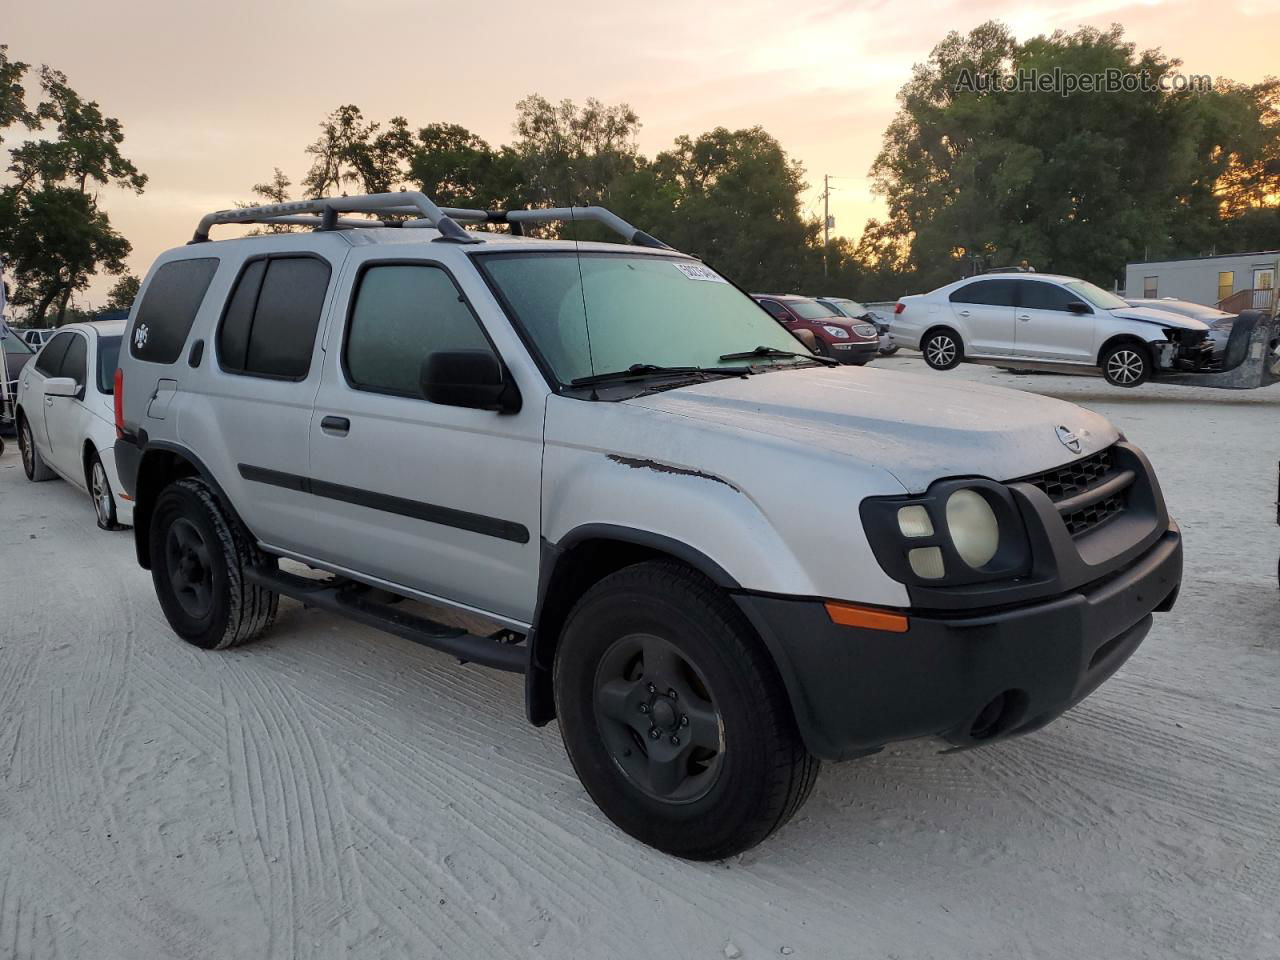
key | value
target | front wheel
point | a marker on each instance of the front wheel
(942, 350)
(198, 559)
(1126, 365)
(674, 716)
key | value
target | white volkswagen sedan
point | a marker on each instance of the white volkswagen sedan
(1040, 321)
(66, 416)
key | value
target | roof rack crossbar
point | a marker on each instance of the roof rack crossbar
(322, 212)
(410, 201)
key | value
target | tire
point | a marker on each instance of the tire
(33, 464)
(1126, 364)
(104, 500)
(742, 771)
(942, 349)
(889, 351)
(198, 559)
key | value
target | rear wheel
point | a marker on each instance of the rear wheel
(942, 349)
(198, 559)
(674, 716)
(889, 351)
(104, 501)
(32, 463)
(1126, 365)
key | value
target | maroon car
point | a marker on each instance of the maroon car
(849, 341)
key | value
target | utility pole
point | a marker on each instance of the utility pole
(826, 219)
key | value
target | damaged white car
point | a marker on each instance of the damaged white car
(1049, 322)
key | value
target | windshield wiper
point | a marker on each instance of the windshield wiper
(641, 371)
(763, 351)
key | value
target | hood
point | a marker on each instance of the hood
(1163, 318)
(917, 428)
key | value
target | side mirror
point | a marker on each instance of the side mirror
(468, 378)
(1076, 306)
(61, 387)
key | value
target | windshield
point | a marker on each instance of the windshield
(108, 360)
(1095, 295)
(850, 308)
(638, 310)
(810, 309)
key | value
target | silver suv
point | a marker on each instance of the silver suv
(716, 558)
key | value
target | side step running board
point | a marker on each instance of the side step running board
(344, 598)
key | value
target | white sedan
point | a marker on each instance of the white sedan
(66, 416)
(1041, 321)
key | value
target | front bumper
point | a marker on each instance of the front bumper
(973, 678)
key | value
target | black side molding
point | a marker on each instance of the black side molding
(415, 509)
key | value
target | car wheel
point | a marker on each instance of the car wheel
(889, 351)
(198, 559)
(32, 463)
(1126, 365)
(674, 716)
(942, 350)
(104, 501)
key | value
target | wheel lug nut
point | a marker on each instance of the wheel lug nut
(675, 741)
(671, 694)
(644, 708)
(652, 688)
(684, 720)
(654, 733)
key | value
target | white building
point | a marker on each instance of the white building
(1236, 281)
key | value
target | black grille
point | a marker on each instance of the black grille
(1072, 480)
(1063, 482)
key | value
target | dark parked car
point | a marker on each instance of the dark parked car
(849, 341)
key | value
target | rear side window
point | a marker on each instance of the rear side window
(108, 360)
(169, 308)
(75, 360)
(1036, 295)
(995, 293)
(775, 309)
(50, 358)
(402, 313)
(269, 326)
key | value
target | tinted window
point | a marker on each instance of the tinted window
(169, 308)
(108, 360)
(50, 358)
(776, 309)
(74, 361)
(995, 293)
(16, 345)
(269, 327)
(401, 314)
(811, 309)
(1044, 296)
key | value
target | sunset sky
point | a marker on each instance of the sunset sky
(213, 95)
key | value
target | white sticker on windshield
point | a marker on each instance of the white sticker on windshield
(696, 271)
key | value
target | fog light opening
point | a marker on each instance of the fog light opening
(999, 715)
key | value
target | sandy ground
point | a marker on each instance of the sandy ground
(335, 792)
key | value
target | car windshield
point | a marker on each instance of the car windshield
(108, 360)
(605, 312)
(809, 309)
(1095, 295)
(850, 308)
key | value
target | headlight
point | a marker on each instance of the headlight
(838, 332)
(974, 530)
(958, 532)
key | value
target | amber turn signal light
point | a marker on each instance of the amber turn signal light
(849, 615)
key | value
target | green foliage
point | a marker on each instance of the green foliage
(1079, 184)
(53, 234)
(123, 292)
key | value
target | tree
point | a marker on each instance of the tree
(13, 97)
(459, 169)
(1077, 184)
(51, 227)
(123, 292)
(351, 151)
(571, 155)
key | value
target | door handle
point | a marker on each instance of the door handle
(48, 401)
(335, 426)
(1024, 316)
(964, 313)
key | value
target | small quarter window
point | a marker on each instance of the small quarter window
(402, 313)
(169, 308)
